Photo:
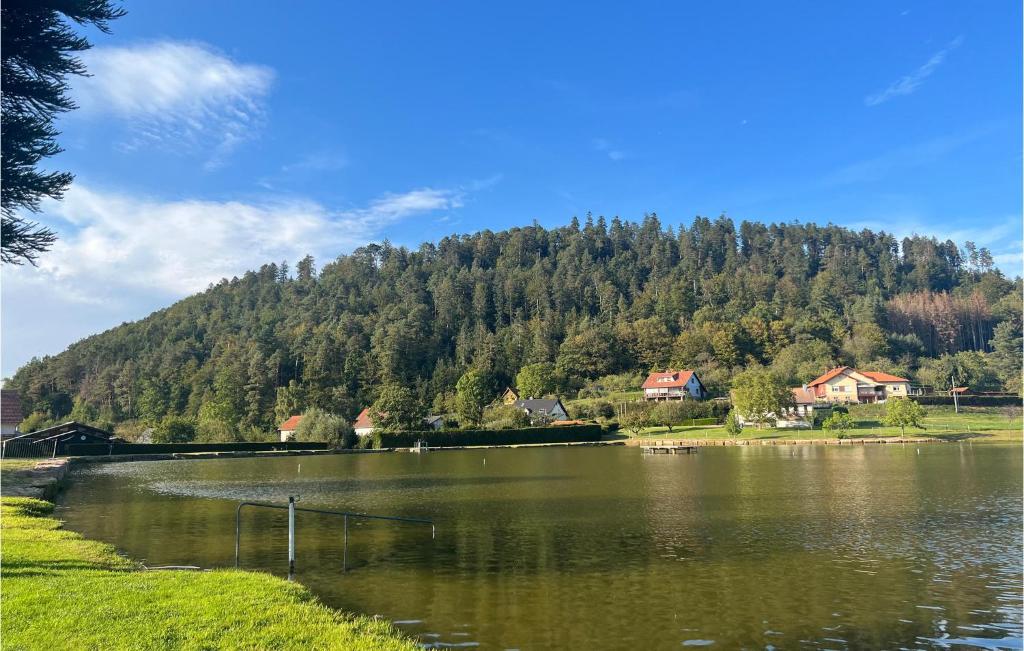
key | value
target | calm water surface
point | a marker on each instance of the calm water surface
(603, 548)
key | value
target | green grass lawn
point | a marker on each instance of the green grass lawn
(997, 424)
(61, 591)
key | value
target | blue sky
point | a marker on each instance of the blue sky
(213, 137)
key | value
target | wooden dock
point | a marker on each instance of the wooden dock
(668, 448)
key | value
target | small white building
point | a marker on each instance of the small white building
(288, 427)
(363, 425)
(801, 414)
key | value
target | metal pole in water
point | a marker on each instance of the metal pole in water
(344, 555)
(291, 536)
(238, 531)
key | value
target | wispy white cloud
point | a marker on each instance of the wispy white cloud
(602, 145)
(909, 156)
(122, 256)
(119, 241)
(183, 96)
(907, 84)
(1002, 235)
(317, 162)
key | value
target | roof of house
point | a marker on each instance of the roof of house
(291, 424)
(511, 390)
(668, 379)
(546, 405)
(828, 375)
(363, 420)
(10, 407)
(878, 376)
(803, 396)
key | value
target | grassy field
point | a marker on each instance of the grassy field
(996, 424)
(61, 591)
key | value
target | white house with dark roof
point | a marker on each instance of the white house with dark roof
(548, 409)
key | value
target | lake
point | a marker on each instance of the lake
(875, 546)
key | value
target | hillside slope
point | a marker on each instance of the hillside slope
(593, 299)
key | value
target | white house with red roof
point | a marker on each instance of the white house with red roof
(363, 424)
(844, 384)
(10, 412)
(288, 427)
(673, 385)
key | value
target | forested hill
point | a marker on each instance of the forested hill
(597, 299)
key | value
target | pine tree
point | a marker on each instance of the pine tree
(37, 56)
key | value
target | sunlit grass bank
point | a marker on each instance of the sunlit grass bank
(61, 591)
(989, 424)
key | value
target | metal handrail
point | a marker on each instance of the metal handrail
(291, 508)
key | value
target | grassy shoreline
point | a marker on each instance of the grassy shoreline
(997, 425)
(977, 424)
(62, 591)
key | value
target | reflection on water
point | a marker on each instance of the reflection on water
(852, 547)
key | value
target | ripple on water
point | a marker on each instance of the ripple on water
(979, 642)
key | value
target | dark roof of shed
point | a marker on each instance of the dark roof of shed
(71, 427)
(539, 404)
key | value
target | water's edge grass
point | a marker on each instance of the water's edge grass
(63, 591)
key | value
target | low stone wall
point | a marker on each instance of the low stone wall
(42, 481)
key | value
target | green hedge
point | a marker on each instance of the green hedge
(90, 449)
(455, 438)
(970, 401)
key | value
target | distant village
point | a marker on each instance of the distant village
(843, 385)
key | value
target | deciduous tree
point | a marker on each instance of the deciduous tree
(759, 396)
(903, 413)
(536, 380)
(323, 426)
(397, 409)
(472, 393)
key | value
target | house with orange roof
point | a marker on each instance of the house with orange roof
(844, 384)
(673, 385)
(288, 427)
